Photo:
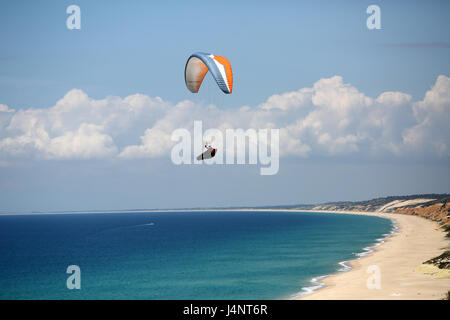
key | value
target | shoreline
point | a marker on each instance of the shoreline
(317, 283)
(399, 257)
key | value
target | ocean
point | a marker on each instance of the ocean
(179, 255)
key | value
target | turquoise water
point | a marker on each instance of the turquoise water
(192, 255)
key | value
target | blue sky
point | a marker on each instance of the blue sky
(275, 47)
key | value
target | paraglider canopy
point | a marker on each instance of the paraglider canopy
(200, 63)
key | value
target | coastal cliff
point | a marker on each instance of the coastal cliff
(431, 206)
(435, 211)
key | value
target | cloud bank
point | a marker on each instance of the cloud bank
(330, 119)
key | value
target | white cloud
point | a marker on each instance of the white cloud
(154, 144)
(5, 108)
(79, 127)
(5, 115)
(86, 142)
(331, 118)
(432, 131)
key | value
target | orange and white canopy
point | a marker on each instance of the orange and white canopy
(198, 65)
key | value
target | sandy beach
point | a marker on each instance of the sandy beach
(399, 262)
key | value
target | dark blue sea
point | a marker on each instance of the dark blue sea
(177, 255)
